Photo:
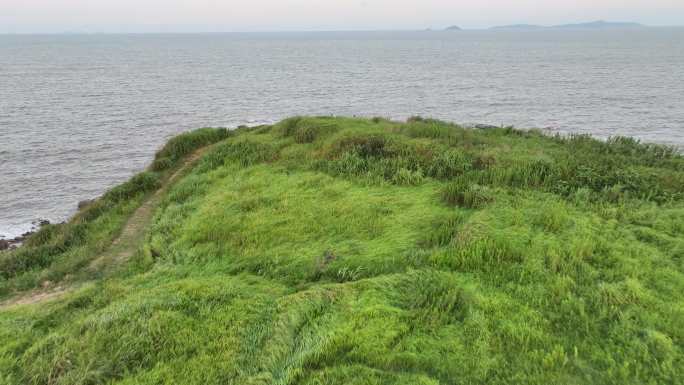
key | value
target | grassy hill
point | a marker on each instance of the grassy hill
(353, 251)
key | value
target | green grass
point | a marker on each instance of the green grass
(62, 251)
(353, 251)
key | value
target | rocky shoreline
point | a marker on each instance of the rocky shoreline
(13, 243)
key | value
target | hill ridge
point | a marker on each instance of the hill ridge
(330, 250)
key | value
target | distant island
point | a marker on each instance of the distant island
(600, 24)
(453, 28)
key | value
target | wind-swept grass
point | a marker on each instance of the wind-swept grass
(183, 144)
(465, 194)
(61, 250)
(352, 251)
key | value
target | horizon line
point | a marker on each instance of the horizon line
(495, 28)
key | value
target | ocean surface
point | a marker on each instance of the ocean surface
(82, 113)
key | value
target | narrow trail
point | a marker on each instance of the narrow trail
(133, 232)
(124, 246)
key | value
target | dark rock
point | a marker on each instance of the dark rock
(40, 222)
(27, 234)
(4, 244)
(18, 239)
(485, 126)
(85, 203)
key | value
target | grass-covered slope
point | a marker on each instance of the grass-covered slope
(351, 251)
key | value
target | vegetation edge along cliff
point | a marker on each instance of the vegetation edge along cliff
(327, 250)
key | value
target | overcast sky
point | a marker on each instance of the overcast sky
(21, 16)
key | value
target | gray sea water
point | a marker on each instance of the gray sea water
(82, 113)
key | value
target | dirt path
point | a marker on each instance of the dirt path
(132, 235)
(35, 297)
(125, 245)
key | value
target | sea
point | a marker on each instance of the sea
(81, 113)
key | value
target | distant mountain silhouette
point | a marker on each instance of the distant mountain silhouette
(601, 24)
(453, 28)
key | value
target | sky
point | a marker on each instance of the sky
(48, 16)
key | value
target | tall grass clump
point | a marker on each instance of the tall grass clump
(437, 298)
(537, 173)
(625, 150)
(305, 130)
(388, 158)
(245, 153)
(406, 177)
(141, 183)
(365, 146)
(449, 164)
(185, 143)
(442, 231)
(462, 192)
(428, 128)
